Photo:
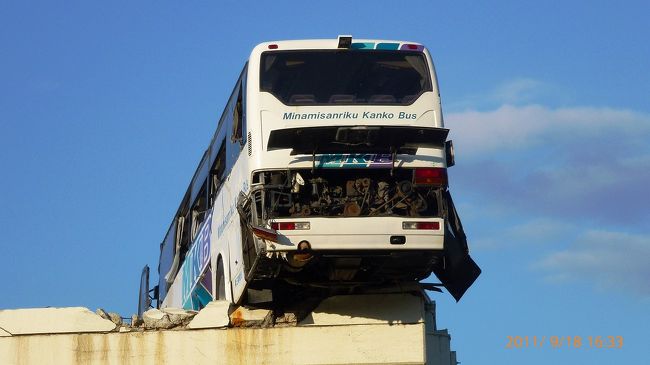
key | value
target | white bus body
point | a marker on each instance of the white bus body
(327, 169)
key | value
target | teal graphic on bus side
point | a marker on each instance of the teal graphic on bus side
(196, 260)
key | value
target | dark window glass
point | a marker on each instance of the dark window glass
(344, 77)
(217, 172)
(199, 210)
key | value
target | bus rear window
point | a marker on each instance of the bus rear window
(345, 76)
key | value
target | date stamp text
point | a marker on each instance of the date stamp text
(597, 342)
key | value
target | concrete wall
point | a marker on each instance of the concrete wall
(359, 344)
(370, 329)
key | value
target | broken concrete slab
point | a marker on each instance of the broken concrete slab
(181, 316)
(112, 316)
(4, 333)
(53, 320)
(214, 315)
(366, 309)
(245, 317)
(166, 318)
(102, 313)
(286, 320)
(157, 319)
(115, 318)
(136, 321)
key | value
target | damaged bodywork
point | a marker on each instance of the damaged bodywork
(349, 192)
(326, 174)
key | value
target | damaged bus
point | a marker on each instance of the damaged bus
(328, 169)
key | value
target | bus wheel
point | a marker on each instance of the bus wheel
(221, 281)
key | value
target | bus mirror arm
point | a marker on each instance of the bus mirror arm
(449, 153)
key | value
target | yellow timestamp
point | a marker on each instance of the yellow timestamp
(599, 342)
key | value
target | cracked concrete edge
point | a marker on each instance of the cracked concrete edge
(53, 321)
(214, 315)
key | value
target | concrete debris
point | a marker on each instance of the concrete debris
(245, 317)
(102, 313)
(181, 316)
(156, 319)
(136, 321)
(167, 318)
(214, 315)
(115, 318)
(286, 320)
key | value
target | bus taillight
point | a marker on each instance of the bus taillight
(435, 226)
(290, 226)
(430, 176)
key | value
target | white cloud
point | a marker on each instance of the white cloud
(604, 258)
(519, 127)
(559, 172)
(572, 163)
(539, 231)
(517, 91)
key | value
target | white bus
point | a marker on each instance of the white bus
(327, 170)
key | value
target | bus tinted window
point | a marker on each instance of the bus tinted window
(344, 77)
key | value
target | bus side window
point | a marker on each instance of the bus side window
(239, 111)
(216, 173)
(167, 267)
(183, 238)
(237, 123)
(199, 209)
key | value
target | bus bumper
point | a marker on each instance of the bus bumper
(360, 233)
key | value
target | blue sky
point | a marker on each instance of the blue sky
(106, 108)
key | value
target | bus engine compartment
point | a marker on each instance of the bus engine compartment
(352, 193)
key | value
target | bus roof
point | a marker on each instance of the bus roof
(358, 44)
